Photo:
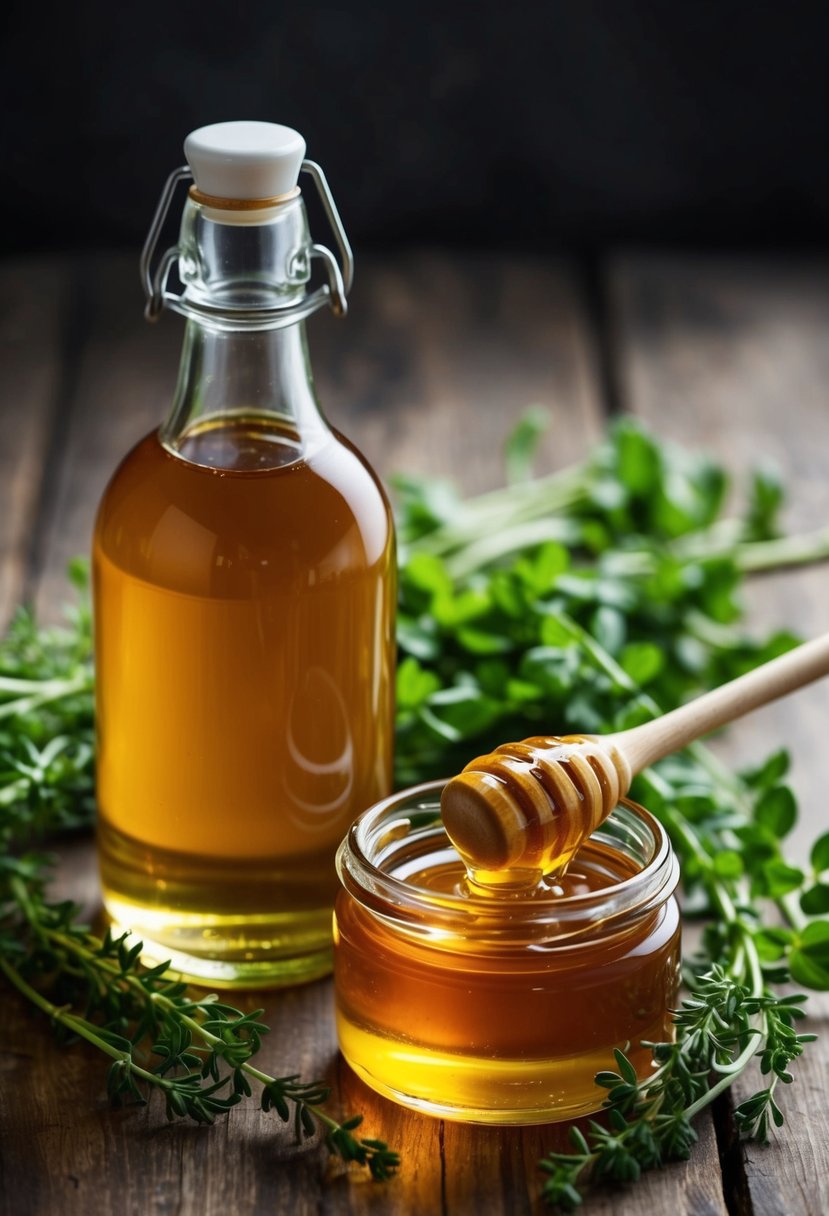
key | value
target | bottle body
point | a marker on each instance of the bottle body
(244, 585)
(244, 596)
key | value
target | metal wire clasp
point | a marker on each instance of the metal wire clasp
(334, 292)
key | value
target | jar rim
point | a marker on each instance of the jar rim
(385, 894)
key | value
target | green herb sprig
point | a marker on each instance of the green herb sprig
(46, 723)
(198, 1053)
(650, 1121)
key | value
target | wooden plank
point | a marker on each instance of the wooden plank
(124, 382)
(33, 295)
(496, 1170)
(440, 356)
(733, 357)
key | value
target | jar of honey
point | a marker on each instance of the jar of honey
(494, 1006)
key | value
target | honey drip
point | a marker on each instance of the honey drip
(524, 810)
(245, 641)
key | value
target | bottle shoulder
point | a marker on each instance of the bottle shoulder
(185, 525)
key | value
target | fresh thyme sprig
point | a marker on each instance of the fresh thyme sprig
(198, 1053)
(649, 1120)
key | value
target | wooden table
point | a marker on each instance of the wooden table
(438, 358)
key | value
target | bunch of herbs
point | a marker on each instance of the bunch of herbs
(592, 598)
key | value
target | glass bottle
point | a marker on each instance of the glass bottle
(244, 584)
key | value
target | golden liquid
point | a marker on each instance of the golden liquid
(244, 602)
(502, 1036)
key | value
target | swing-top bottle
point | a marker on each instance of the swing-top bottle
(244, 595)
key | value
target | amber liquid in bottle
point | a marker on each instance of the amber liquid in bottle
(244, 585)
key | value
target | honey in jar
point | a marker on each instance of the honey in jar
(244, 601)
(501, 1006)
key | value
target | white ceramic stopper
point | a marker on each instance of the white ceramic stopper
(244, 160)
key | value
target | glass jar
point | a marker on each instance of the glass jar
(492, 1007)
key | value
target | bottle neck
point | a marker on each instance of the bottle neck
(244, 399)
(245, 395)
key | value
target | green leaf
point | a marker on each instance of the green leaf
(718, 593)
(425, 503)
(809, 959)
(637, 457)
(427, 572)
(522, 444)
(815, 901)
(550, 562)
(609, 628)
(772, 943)
(418, 637)
(765, 500)
(769, 773)
(478, 641)
(819, 855)
(450, 611)
(777, 811)
(760, 845)
(552, 670)
(642, 661)
(78, 573)
(463, 712)
(555, 632)
(728, 864)
(414, 684)
(521, 691)
(778, 878)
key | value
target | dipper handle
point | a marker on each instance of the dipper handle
(643, 745)
(524, 810)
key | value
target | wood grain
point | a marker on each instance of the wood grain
(732, 357)
(440, 356)
(33, 381)
(124, 378)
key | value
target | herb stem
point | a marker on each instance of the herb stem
(790, 907)
(79, 1026)
(507, 507)
(468, 547)
(738, 1066)
(757, 557)
(40, 692)
(83, 950)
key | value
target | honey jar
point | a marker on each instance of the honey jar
(500, 1006)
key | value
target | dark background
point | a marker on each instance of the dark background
(557, 125)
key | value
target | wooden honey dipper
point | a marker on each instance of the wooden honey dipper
(526, 808)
